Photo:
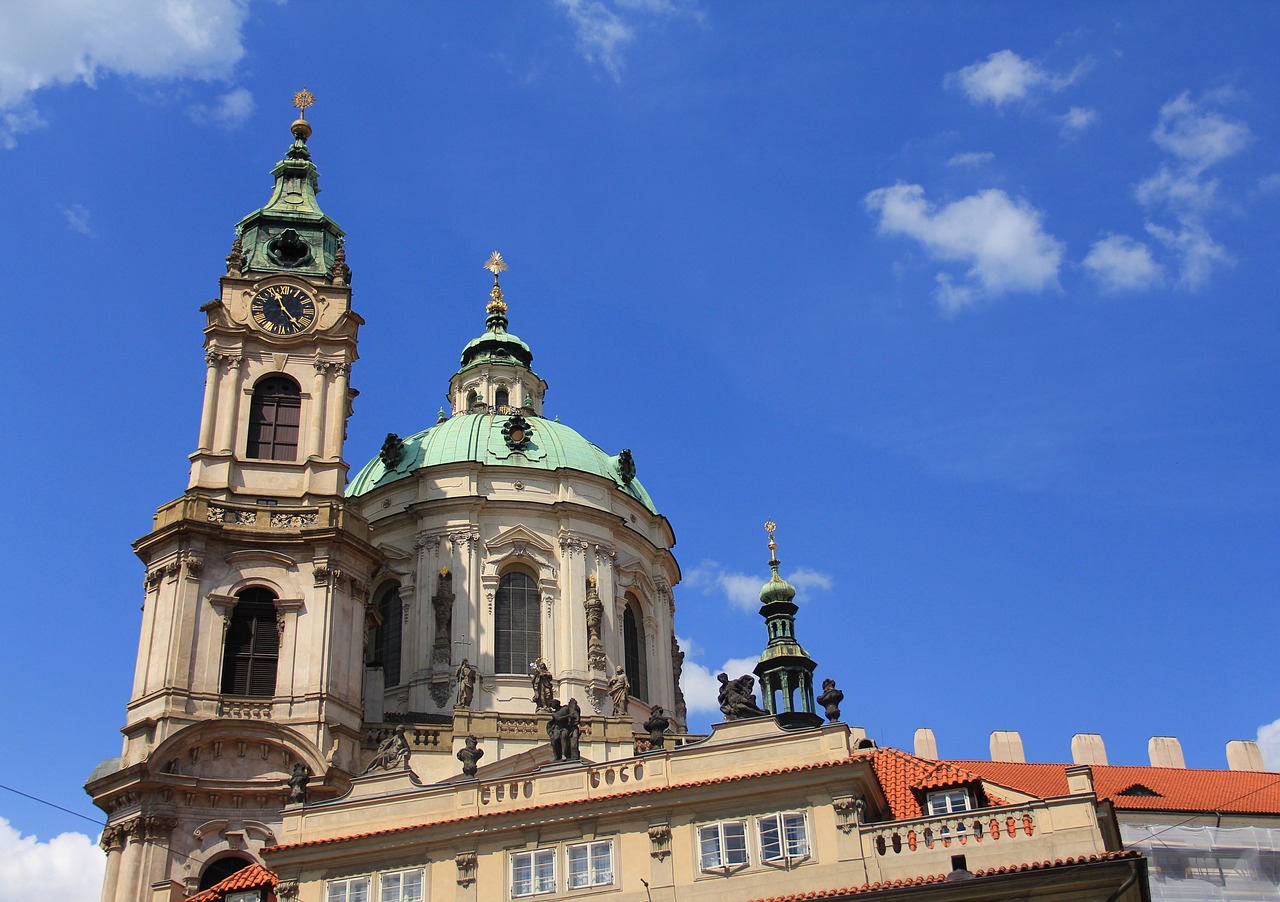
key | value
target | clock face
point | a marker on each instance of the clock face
(283, 310)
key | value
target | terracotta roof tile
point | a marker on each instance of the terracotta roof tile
(901, 774)
(843, 891)
(471, 818)
(1176, 788)
(254, 876)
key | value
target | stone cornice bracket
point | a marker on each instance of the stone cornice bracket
(427, 540)
(324, 575)
(195, 564)
(660, 841)
(224, 605)
(466, 862)
(287, 889)
(323, 367)
(571, 542)
(152, 828)
(215, 357)
(850, 811)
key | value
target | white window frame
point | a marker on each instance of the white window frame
(792, 844)
(347, 885)
(537, 886)
(594, 877)
(949, 801)
(248, 895)
(399, 879)
(722, 863)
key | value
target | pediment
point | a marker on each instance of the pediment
(520, 535)
(394, 553)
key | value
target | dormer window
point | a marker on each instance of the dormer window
(949, 801)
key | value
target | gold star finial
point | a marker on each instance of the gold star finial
(770, 527)
(495, 264)
(302, 100)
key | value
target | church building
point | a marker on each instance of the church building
(454, 674)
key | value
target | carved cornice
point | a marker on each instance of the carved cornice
(466, 862)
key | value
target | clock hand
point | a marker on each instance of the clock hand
(285, 311)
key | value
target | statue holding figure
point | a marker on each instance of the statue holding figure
(469, 754)
(298, 781)
(619, 690)
(466, 676)
(393, 752)
(564, 729)
(540, 677)
(738, 698)
(657, 724)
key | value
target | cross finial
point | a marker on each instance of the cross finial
(495, 264)
(302, 100)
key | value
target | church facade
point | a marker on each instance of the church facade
(453, 674)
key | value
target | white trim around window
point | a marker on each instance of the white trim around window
(722, 846)
(401, 886)
(353, 889)
(949, 801)
(533, 873)
(784, 838)
(589, 864)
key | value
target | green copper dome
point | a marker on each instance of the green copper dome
(480, 438)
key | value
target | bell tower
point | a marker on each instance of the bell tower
(250, 659)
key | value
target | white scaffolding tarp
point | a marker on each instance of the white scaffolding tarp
(1233, 864)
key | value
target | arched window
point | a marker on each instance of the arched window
(501, 399)
(274, 414)
(517, 628)
(634, 650)
(253, 646)
(221, 869)
(472, 398)
(387, 638)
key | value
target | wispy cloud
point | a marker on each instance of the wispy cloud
(77, 218)
(1076, 120)
(197, 39)
(1005, 77)
(1120, 263)
(972, 158)
(69, 866)
(230, 111)
(1181, 194)
(742, 590)
(605, 27)
(1001, 238)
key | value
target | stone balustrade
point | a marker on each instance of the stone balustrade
(951, 831)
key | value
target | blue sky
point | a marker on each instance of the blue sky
(975, 300)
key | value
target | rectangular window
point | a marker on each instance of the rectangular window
(723, 846)
(949, 801)
(533, 873)
(590, 864)
(402, 886)
(783, 837)
(354, 890)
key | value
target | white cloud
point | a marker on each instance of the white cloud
(1269, 743)
(1198, 135)
(230, 111)
(701, 688)
(83, 39)
(1076, 120)
(689, 646)
(1198, 252)
(69, 866)
(1269, 184)
(1001, 238)
(1003, 77)
(1120, 263)
(77, 217)
(1179, 188)
(972, 158)
(605, 27)
(743, 589)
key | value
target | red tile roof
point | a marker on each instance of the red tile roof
(471, 818)
(255, 876)
(1176, 788)
(941, 878)
(901, 774)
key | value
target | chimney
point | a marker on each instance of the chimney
(1088, 748)
(1242, 754)
(926, 744)
(1079, 779)
(1006, 745)
(1166, 751)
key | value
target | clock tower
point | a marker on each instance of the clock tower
(250, 662)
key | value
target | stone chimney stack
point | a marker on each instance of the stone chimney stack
(926, 743)
(1006, 745)
(1088, 748)
(1166, 751)
(1242, 754)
